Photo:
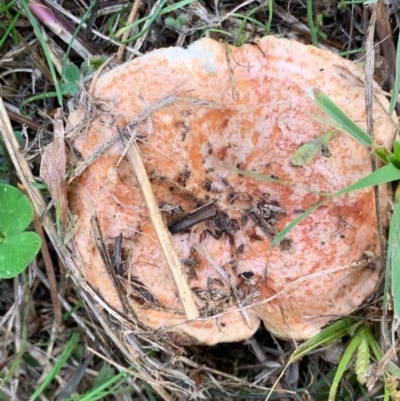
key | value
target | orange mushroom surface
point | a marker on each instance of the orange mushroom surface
(197, 114)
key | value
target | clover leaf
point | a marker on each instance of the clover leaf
(17, 247)
(177, 23)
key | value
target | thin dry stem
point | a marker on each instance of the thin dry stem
(142, 39)
(369, 93)
(125, 36)
(164, 237)
(369, 69)
(50, 274)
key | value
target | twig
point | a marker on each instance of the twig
(369, 101)
(260, 354)
(50, 274)
(146, 25)
(102, 248)
(125, 36)
(164, 237)
(385, 36)
(192, 218)
(369, 69)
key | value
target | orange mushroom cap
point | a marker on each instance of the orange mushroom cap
(226, 108)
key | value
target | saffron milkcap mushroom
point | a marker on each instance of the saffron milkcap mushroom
(194, 116)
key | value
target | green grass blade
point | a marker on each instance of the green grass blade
(349, 52)
(344, 361)
(78, 28)
(325, 121)
(10, 27)
(393, 259)
(282, 234)
(216, 31)
(328, 335)
(75, 308)
(239, 37)
(345, 122)
(150, 18)
(5, 7)
(176, 6)
(250, 19)
(96, 392)
(311, 25)
(264, 177)
(270, 16)
(387, 391)
(378, 353)
(70, 346)
(45, 48)
(383, 175)
(39, 96)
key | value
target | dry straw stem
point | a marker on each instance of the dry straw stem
(102, 248)
(24, 173)
(369, 97)
(164, 238)
(50, 273)
(125, 36)
(139, 42)
(376, 370)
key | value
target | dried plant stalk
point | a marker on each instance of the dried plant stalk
(163, 236)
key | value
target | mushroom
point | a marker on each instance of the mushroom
(197, 114)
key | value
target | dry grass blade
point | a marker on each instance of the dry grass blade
(369, 95)
(20, 164)
(53, 167)
(369, 68)
(98, 239)
(162, 233)
(50, 274)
